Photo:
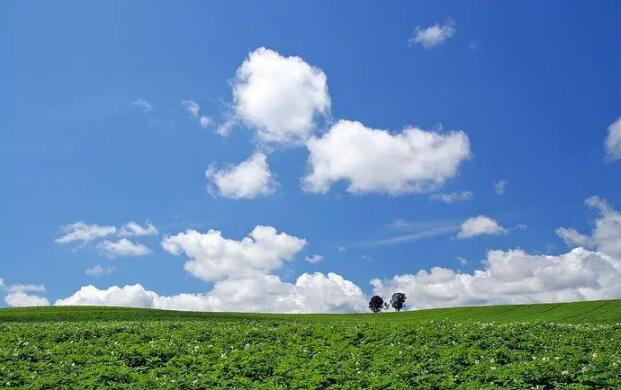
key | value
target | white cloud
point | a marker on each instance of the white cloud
(23, 288)
(195, 112)
(512, 277)
(143, 104)
(130, 296)
(452, 197)
(606, 235)
(373, 160)
(204, 121)
(98, 270)
(419, 234)
(18, 294)
(479, 225)
(500, 187)
(280, 97)
(433, 35)
(613, 141)
(214, 257)
(311, 293)
(249, 179)
(123, 247)
(79, 231)
(22, 299)
(573, 238)
(192, 107)
(313, 259)
(135, 229)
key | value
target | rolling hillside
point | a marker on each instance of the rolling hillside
(608, 311)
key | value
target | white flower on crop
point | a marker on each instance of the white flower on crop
(565, 372)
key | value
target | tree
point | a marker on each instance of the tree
(376, 303)
(398, 301)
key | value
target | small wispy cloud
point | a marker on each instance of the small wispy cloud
(417, 231)
(98, 271)
(500, 187)
(195, 112)
(313, 259)
(433, 36)
(143, 104)
(451, 197)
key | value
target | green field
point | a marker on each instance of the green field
(576, 345)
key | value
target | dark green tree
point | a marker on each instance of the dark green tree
(398, 301)
(376, 303)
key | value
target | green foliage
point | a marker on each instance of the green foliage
(121, 349)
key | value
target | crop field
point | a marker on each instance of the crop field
(574, 345)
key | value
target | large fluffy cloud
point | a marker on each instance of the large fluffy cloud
(22, 299)
(214, 257)
(311, 293)
(374, 160)
(480, 225)
(280, 97)
(613, 141)
(19, 295)
(606, 235)
(512, 277)
(249, 179)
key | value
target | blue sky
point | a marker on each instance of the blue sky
(95, 130)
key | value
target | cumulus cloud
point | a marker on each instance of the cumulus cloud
(22, 299)
(606, 234)
(195, 112)
(512, 277)
(135, 229)
(311, 293)
(143, 105)
(374, 160)
(213, 257)
(613, 141)
(123, 247)
(480, 225)
(249, 179)
(435, 35)
(18, 295)
(281, 97)
(81, 231)
(452, 197)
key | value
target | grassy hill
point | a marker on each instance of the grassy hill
(608, 311)
(572, 345)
